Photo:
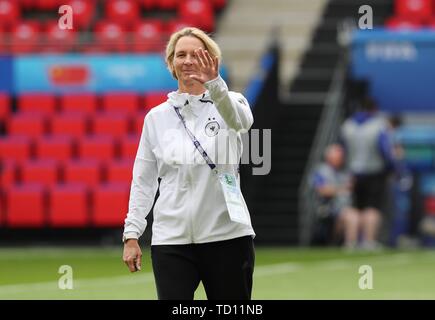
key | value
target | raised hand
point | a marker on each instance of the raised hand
(208, 67)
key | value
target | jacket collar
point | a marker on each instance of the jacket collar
(189, 103)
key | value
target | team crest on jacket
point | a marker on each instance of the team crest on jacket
(212, 128)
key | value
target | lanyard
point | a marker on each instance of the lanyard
(196, 143)
(236, 206)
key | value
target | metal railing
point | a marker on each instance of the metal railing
(327, 132)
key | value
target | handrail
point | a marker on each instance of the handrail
(327, 132)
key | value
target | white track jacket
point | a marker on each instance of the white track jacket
(191, 206)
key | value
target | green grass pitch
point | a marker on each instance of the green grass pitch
(280, 274)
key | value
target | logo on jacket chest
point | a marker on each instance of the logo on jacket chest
(212, 127)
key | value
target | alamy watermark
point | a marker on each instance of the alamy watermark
(224, 148)
(66, 21)
(366, 280)
(366, 20)
(66, 281)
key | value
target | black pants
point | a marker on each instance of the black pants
(224, 267)
(370, 191)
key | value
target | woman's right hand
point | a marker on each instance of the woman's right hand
(132, 255)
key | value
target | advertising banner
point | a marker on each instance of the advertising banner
(93, 73)
(399, 65)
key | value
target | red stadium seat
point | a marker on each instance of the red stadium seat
(122, 102)
(148, 4)
(70, 124)
(96, 147)
(37, 102)
(54, 147)
(5, 108)
(15, 148)
(27, 124)
(153, 99)
(44, 171)
(25, 37)
(175, 25)
(86, 171)
(3, 41)
(125, 12)
(26, 4)
(112, 124)
(59, 40)
(396, 23)
(167, 4)
(138, 123)
(198, 13)
(83, 102)
(8, 174)
(129, 145)
(10, 12)
(25, 205)
(69, 205)
(83, 12)
(49, 4)
(420, 9)
(219, 4)
(110, 36)
(119, 171)
(110, 205)
(148, 36)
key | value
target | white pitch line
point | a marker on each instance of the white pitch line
(273, 269)
(333, 264)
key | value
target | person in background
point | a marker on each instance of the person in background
(395, 122)
(369, 152)
(400, 186)
(333, 186)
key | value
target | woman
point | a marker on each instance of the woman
(201, 229)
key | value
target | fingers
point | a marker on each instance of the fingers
(138, 264)
(210, 61)
(208, 66)
(132, 258)
(205, 59)
(130, 262)
(202, 60)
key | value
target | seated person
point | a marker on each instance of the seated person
(334, 188)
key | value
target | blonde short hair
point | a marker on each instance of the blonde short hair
(210, 45)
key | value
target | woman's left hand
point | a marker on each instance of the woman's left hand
(208, 67)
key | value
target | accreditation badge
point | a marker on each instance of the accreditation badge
(233, 197)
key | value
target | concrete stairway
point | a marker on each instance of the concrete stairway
(247, 27)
